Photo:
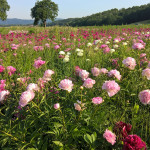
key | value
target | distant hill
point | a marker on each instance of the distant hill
(15, 21)
(110, 17)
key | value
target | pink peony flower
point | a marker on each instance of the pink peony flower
(109, 136)
(11, 70)
(95, 71)
(41, 83)
(1, 68)
(129, 62)
(97, 100)
(88, 83)
(77, 70)
(146, 72)
(144, 97)
(57, 106)
(32, 87)
(111, 87)
(83, 74)
(3, 95)
(66, 84)
(106, 50)
(47, 75)
(134, 142)
(138, 46)
(77, 107)
(103, 71)
(38, 63)
(114, 73)
(56, 47)
(26, 97)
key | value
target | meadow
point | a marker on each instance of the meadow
(70, 88)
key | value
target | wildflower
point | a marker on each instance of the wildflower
(146, 72)
(95, 71)
(11, 70)
(1, 68)
(83, 74)
(47, 75)
(38, 63)
(103, 71)
(3, 95)
(32, 87)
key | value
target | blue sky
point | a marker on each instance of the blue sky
(71, 8)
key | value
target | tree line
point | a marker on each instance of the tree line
(110, 17)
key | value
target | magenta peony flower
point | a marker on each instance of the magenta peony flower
(97, 100)
(122, 130)
(66, 84)
(3, 95)
(38, 63)
(111, 87)
(109, 136)
(26, 97)
(134, 142)
(129, 62)
(95, 71)
(114, 73)
(83, 74)
(1, 68)
(11, 70)
(88, 83)
(146, 72)
(144, 97)
(47, 75)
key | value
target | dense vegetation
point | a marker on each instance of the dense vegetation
(110, 17)
(67, 88)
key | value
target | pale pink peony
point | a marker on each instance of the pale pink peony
(88, 83)
(57, 106)
(47, 75)
(129, 62)
(97, 100)
(111, 87)
(32, 87)
(66, 84)
(114, 73)
(144, 97)
(109, 136)
(95, 71)
(77, 107)
(77, 70)
(83, 74)
(103, 71)
(38, 63)
(26, 97)
(56, 47)
(3, 95)
(11, 70)
(146, 72)
(138, 46)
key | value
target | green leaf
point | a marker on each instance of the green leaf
(136, 108)
(88, 138)
(49, 132)
(58, 143)
(94, 136)
(57, 125)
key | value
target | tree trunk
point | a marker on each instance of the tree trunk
(44, 24)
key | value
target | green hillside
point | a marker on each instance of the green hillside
(110, 17)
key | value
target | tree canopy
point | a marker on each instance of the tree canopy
(3, 8)
(43, 10)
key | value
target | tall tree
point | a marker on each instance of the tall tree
(43, 10)
(3, 8)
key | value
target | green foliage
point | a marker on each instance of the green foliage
(43, 10)
(3, 8)
(109, 17)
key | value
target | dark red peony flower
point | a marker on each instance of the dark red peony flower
(122, 130)
(134, 142)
